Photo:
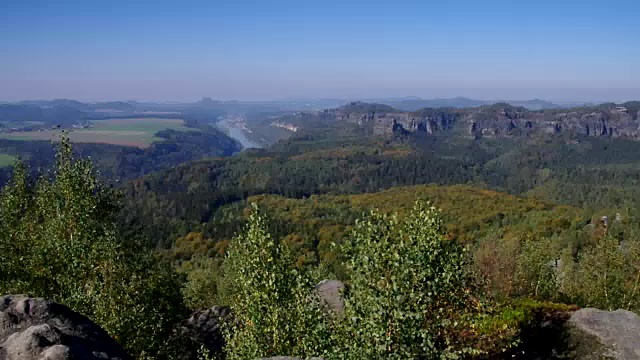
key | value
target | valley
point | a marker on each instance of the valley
(236, 128)
(319, 180)
(517, 189)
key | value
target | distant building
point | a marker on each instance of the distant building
(287, 126)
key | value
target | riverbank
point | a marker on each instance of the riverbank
(236, 132)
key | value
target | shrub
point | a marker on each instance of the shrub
(58, 240)
(273, 301)
(409, 295)
(606, 276)
(537, 267)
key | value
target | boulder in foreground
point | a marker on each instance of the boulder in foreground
(39, 329)
(597, 334)
(331, 295)
(205, 327)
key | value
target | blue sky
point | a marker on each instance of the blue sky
(184, 50)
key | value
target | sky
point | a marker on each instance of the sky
(277, 49)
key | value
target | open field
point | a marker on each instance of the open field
(14, 124)
(139, 132)
(6, 160)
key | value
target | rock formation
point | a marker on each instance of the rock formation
(498, 120)
(205, 327)
(330, 293)
(38, 329)
(597, 334)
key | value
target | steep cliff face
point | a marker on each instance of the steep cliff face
(615, 122)
(388, 122)
(500, 120)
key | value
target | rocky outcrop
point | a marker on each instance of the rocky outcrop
(205, 327)
(388, 122)
(597, 334)
(38, 329)
(330, 293)
(585, 334)
(501, 121)
(498, 120)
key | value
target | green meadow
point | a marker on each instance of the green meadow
(138, 132)
(6, 160)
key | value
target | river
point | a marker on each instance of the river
(236, 133)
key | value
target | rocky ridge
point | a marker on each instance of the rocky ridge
(498, 120)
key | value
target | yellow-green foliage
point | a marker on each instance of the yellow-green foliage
(467, 210)
(192, 244)
(606, 275)
(203, 286)
(276, 311)
(409, 297)
(470, 214)
(516, 243)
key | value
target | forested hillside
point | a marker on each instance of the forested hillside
(590, 173)
(172, 201)
(517, 229)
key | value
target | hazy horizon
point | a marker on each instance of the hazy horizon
(274, 50)
(561, 95)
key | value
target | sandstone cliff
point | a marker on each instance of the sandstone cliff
(498, 120)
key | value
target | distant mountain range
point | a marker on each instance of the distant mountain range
(413, 103)
(66, 112)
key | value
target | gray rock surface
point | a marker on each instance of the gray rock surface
(205, 327)
(38, 329)
(597, 334)
(496, 121)
(330, 293)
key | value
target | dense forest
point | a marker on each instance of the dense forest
(592, 173)
(498, 232)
